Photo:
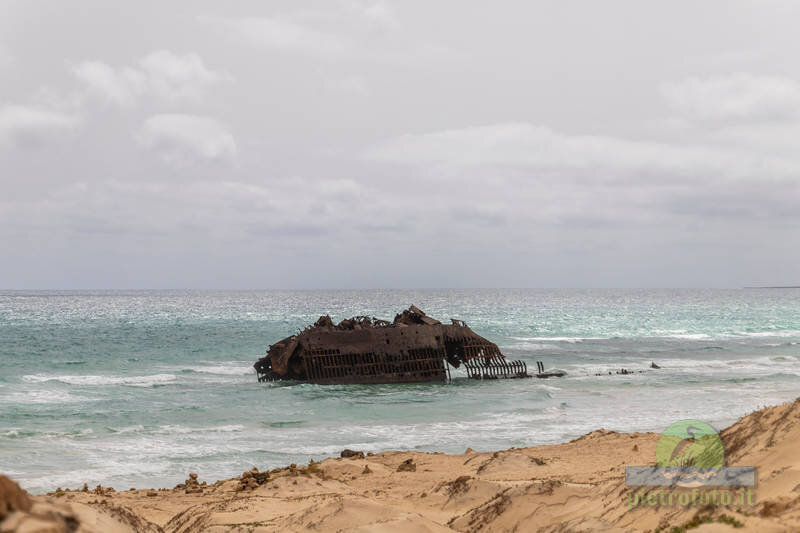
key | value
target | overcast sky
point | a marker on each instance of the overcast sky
(362, 143)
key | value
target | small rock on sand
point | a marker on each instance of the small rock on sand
(12, 497)
(252, 479)
(348, 453)
(407, 466)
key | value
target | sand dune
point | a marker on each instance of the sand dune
(576, 486)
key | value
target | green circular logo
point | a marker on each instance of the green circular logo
(690, 443)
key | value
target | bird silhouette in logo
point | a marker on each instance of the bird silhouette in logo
(684, 445)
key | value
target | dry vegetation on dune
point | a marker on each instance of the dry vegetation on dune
(576, 486)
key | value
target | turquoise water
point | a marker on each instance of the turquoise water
(140, 388)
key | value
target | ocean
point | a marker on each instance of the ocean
(138, 388)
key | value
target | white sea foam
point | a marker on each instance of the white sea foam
(184, 430)
(556, 339)
(779, 333)
(723, 368)
(42, 397)
(691, 336)
(232, 368)
(91, 380)
(550, 388)
(671, 334)
(532, 346)
(734, 335)
(136, 472)
(128, 429)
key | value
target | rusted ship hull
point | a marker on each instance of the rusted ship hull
(375, 368)
(414, 348)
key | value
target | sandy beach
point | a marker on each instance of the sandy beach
(575, 486)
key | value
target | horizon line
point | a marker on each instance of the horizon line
(243, 289)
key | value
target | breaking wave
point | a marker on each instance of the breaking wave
(234, 368)
(95, 381)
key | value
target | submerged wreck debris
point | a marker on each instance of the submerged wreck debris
(542, 373)
(622, 372)
(413, 348)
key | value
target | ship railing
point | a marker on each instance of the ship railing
(495, 368)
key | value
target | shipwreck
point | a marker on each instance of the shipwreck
(413, 348)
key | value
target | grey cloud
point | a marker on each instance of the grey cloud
(184, 138)
(480, 214)
(6, 59)
(604, 158)
(21, 124)
(351, 31)
(161, 74)
(379, 11)
(355, 85)
(735, 97)
(287, 34)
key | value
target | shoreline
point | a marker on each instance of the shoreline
(573, 486)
